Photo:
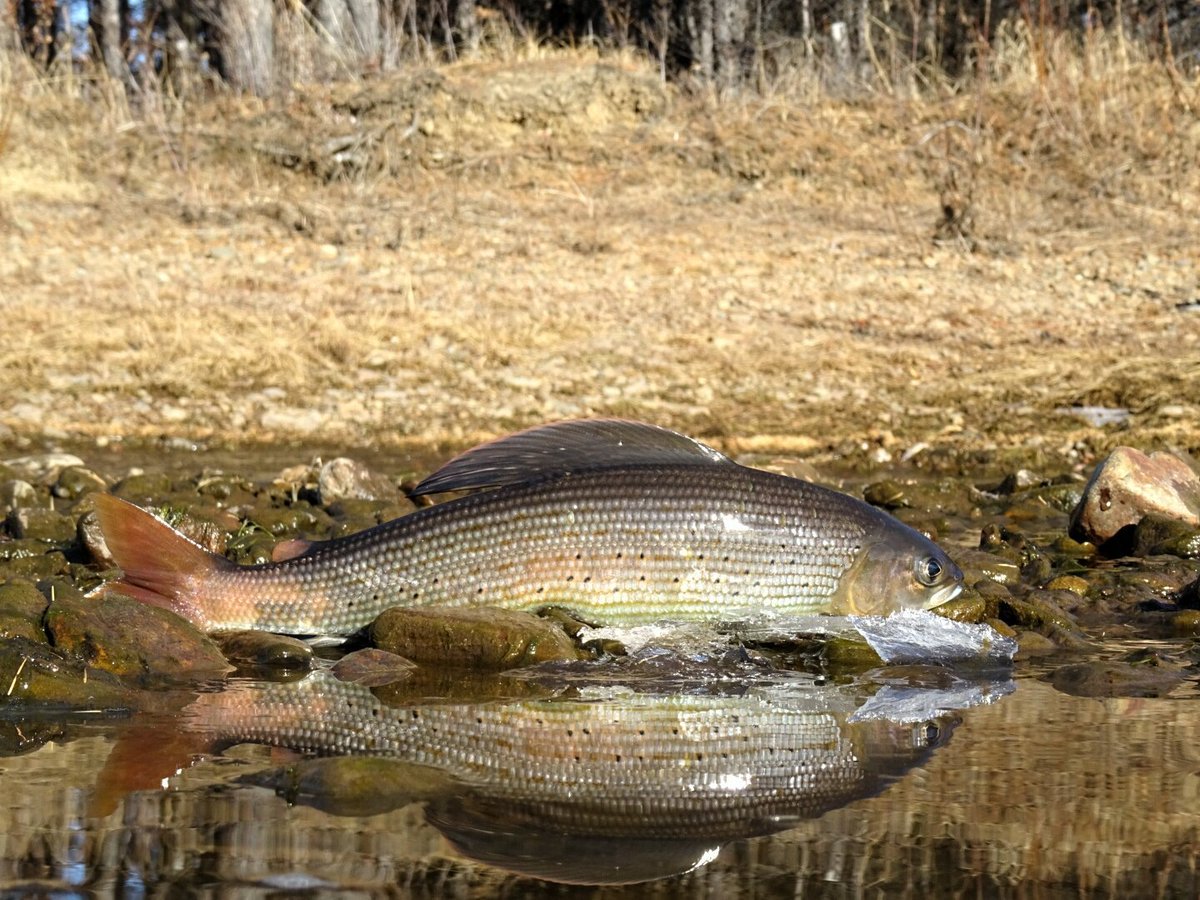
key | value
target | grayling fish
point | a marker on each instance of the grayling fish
(619, 522)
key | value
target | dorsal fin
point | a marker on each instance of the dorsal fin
(548, 450)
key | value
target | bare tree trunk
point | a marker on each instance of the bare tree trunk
(707, 65)
(106, 25)
(467, 25)
(729, 36)
(806, 27)
(248, 44)
(367, 37)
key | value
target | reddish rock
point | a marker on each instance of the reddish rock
(1129, 485)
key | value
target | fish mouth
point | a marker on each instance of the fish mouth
(943, 595)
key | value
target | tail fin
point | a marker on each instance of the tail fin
(159, 565)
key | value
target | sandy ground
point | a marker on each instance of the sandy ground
(460, 252)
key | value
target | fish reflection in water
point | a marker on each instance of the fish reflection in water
(621, 787)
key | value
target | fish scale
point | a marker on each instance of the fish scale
(633, 545)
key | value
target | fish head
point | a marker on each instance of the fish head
(896, 568)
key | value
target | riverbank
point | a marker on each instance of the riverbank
(423, 261)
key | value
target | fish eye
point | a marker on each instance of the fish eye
(932, 733)
(929, 570)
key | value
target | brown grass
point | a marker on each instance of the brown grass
(463, 250)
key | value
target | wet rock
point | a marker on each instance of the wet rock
(964, 609)
(1129, 485)
(1072, 583)
(471, 638)
(290, 520)
(33, 673)
(41, 525)
(16, 494)
(133, 640)
(354, 785)
(91, 538)
(978, 565)
(143, 488)
(43, 468)
(75, 481)
(372, 667)
(1114, 678)
(1186, 623)
(264, 650)
(225, 488)
(844, 656)
(346, 479)
(22, 607)
(1032, 644)
(1156, 534)
(886, 494)
(44, 562)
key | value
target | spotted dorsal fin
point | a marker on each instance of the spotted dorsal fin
(573, 446)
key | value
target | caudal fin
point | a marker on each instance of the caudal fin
(159, 565)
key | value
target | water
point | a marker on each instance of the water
(1030, 792)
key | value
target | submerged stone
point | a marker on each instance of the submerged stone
(264, 650)
(1114, 678)
(354, 785)
(481, 638)
(372, 667)
(1129, 485)
(130, 639)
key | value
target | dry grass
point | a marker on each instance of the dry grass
(471, 248)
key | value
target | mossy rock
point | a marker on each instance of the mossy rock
(132, 640)
(264, 650)
(478, 638)
(33, 674)
(22, 607)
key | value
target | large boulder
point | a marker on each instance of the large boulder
(1129, 485)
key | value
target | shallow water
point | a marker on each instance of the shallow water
(1030, 793)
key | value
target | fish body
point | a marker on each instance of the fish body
(620, 523)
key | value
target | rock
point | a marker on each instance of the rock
(346, 479)
(16, 494)
(41, 525)
(886, 494)
(482, 638)
(978, 565)
(264, 650)
(1186, 623)
(91, 538)
(372, 667)
(143, 488)
(75, 481)
(1156, 534)
(22, 607)
(1114, 678)
(43, 467)
(1072, 583)
(354, 785)
(132, 640)
(1129, 485)
(43, 563)
(33, 673)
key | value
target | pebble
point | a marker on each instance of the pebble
(346, 479)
